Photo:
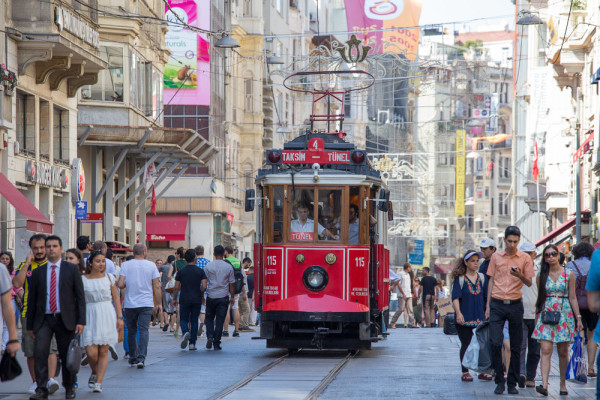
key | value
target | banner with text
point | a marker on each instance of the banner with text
(460, 172)
(365, 16)
(187, 72)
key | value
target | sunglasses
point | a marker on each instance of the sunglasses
(551, 254)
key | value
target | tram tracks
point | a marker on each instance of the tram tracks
(235, 391)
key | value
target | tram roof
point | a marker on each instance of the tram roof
(326, 178)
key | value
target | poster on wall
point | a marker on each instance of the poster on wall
(187, 72)
(392, 19)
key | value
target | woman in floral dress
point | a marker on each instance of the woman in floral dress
(556, 292)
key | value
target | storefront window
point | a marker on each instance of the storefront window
(110, 81)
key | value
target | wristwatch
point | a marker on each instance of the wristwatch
(119, 317)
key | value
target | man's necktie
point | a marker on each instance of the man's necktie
(53, 306)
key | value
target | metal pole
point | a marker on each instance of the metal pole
(578, 171)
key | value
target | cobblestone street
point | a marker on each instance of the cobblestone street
(410, 364)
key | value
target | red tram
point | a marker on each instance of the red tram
(321, 265)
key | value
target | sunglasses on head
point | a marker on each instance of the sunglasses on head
(551, 254)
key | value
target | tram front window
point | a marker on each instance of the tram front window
(303, 227)
(330, 213)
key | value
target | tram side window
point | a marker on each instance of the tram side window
(354, 216)
(330, 214)
(277, 214)
(302, 226)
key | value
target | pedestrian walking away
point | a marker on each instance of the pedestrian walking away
(104, 320)
(22, 279)
(580, 266)
(220, 294)
(140, 279)
(530, 347)
(468, 294)
(429, 295)
(190, 284)
(56, 306)
(405, 303)
(509, 270)
(487, 247)
(556, 293)
(234, 309)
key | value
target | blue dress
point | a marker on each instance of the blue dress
(472, 299)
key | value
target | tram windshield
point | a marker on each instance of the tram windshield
(318, 214)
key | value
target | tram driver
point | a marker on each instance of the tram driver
(303, 227)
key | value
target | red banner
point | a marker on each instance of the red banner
(397, 15)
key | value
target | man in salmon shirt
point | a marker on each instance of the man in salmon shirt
(509, 269)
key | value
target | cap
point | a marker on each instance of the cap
(473, 253)
(527, 247)
(487, 242)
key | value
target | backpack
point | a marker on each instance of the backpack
(461, 279)
(239, 278)
(580, 291)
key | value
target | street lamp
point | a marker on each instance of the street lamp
(275, 60)
(226, 41)
(529, 18)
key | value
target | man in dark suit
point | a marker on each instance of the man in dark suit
(56, 306)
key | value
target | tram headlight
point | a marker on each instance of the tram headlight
(315, 278)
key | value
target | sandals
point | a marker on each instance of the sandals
(165, 328)
(563, 393)
(466, 377)
(540, 389)
(592, 373)
(485, 377)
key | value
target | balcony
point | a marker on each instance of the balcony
(61, 41)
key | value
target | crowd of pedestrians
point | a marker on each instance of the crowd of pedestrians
(58, 294)
(530, 307)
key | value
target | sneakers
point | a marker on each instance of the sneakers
(97, 388)
(113, 353)
(236, 334)
(32, 388)
(209, 345)
(126, 356)
(185, 340)
(192, 347)
(92, 381)
(140, 364)
(499, 388)
(225, 333)
(52, 386)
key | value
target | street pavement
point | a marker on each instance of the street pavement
(410, 364)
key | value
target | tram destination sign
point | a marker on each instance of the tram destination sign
(310, 157)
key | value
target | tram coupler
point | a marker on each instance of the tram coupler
(317, 339)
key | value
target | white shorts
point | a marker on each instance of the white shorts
(236, 298)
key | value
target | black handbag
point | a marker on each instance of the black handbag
(74, 355)
(9, 367)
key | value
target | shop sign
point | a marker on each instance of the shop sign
(94, 218)
(81, 210)
(77, 180)
(74, 23)
(46, 174)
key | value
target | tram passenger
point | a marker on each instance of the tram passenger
(354, 226)
(306, 225)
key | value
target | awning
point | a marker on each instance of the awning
(551, 235)
(442, 268)
(166, 227)
(36, 221)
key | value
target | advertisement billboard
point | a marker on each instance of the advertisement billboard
(187, 73)
(364, 16)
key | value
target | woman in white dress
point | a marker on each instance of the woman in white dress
(102, 322)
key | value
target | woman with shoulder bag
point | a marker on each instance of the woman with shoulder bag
(556, 307)
(468, 299)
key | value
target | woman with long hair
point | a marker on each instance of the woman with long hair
(74, 257)
(103, 320)
(556, 292)
(468, 299)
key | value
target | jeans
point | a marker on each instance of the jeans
(125, 344)
(138, 320)
(530, 363)
(513, 313)
(188, 314)
(465, 334)
(215, 309)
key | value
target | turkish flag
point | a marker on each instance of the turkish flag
(535, 170)
(153, 206)
(489, 171)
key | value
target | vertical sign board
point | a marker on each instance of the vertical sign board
(460, 172)
(395, 16)
(416, 256)
(187, 72)
(81, 210)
